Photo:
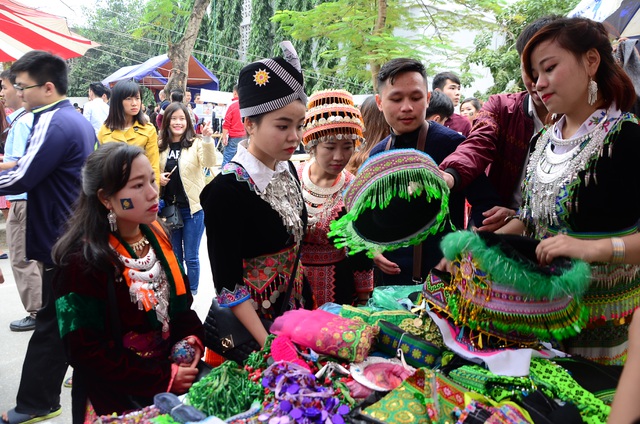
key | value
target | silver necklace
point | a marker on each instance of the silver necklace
(549, 173)
(319, 200)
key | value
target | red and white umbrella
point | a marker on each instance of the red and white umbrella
(23, 29)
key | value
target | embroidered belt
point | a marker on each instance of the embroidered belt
(321, 254)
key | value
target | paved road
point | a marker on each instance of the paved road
(14, 345)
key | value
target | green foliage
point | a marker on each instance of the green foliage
(504, 62)
(112, 24)
(219, 41)
(262, 31)
(350, 48)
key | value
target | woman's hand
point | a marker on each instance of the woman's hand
(386, 265)
(571, 247)
(164, 178)
(206, 130)
(198, 350)
(183, 380)
(495, 218)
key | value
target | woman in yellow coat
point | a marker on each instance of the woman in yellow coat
(127, 123)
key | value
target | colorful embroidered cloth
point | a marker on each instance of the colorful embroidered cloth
(327, 333)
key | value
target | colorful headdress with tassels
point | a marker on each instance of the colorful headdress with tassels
(497, 290)
(332, 114)
(397, 199)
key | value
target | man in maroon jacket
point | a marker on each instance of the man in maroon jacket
(449, 84)
(500, 141)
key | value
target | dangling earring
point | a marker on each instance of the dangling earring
(593, 92)
(554, 116)
(111, 217)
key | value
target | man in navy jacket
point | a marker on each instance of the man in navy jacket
(60, 141)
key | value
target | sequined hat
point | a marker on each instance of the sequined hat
(397, 199)
(332, 114)
(271, 84)
(499, 292)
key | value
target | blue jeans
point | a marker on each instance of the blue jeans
(230, 149)
(186, 244)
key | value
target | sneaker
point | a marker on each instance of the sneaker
(25, 324)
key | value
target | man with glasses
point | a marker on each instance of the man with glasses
(27, 273)
(59, 143)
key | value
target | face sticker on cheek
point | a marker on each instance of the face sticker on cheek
(126, 204)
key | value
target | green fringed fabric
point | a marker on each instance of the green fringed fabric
(559, 326)
(75, 311)
(406, 184)
(516, 274)
(478, 266)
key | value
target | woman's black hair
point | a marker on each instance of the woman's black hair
(116, 119)
(166, 137)
(87, 231)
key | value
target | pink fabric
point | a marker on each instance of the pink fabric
(357, 390)
(326, 333)
(386, 375)
(283, 349)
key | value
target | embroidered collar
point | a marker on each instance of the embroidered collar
(260, 174)
(613, 113)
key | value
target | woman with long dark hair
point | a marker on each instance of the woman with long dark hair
(122, 300)
(183, 157)
(127, 123)
(580, 191)
(376, 129)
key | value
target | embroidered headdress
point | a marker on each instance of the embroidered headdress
(397, 199)
(497, 290)
(271, 84)
(332, 114)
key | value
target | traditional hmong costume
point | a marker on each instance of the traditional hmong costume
(254, 229)
(255, 216)
(333, 275)
(586, 186)
(118, 330)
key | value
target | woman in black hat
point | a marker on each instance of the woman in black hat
(254, 210)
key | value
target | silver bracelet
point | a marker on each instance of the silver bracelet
(618, 250)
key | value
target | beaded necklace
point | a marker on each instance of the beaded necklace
(157, 276)
(548, 172)
(149, 285)
(320, 200)
(140, 244)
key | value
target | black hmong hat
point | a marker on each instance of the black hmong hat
(271, 84)
(397, 199)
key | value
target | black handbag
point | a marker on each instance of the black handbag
(171, 217)
(228, 337)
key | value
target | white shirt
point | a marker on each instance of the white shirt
(96, 112)
(260, 173)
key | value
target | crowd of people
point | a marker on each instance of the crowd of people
(108, 287)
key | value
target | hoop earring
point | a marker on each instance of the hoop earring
(111, 217)
(593, 92)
